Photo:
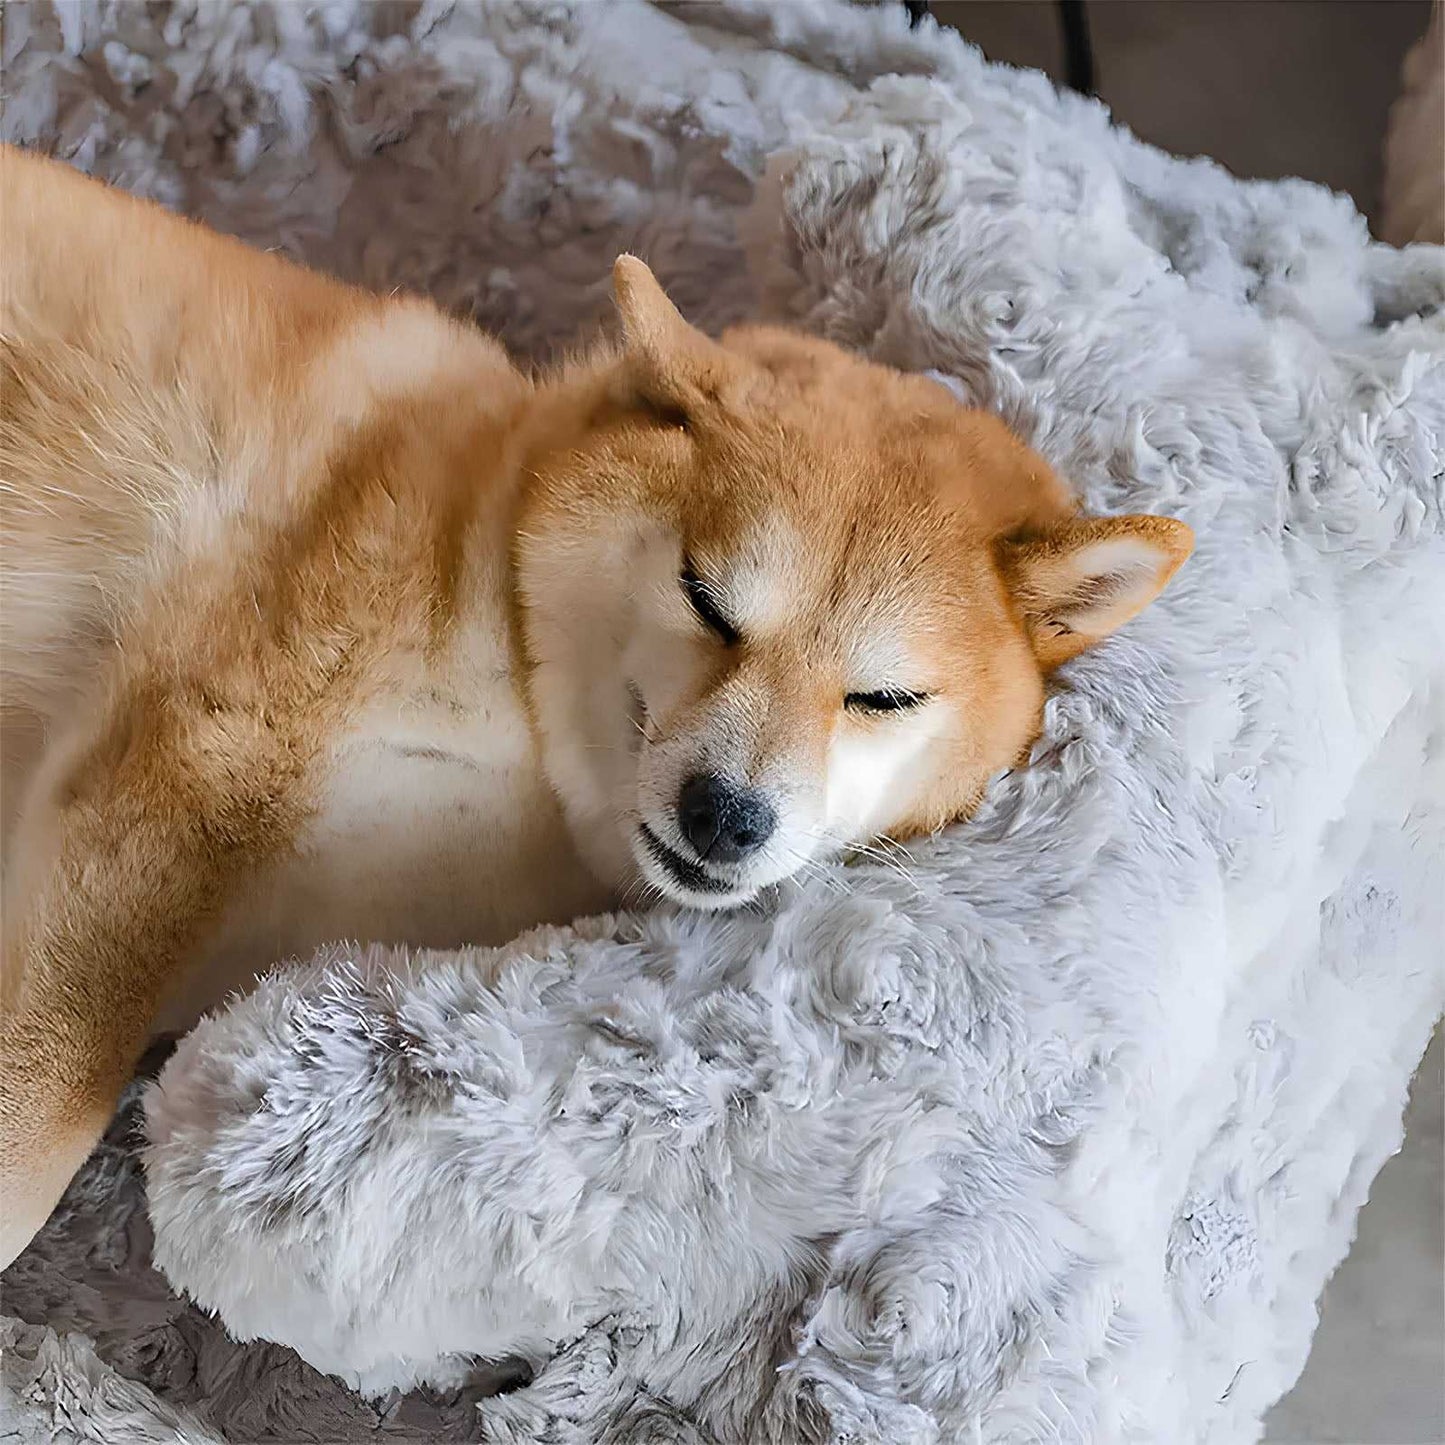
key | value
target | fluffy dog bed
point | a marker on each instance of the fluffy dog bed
(1055, 1129)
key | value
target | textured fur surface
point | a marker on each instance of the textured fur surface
(1055, 1134)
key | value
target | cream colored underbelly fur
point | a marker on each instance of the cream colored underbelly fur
(433, 830)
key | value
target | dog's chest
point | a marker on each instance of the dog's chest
(435, 827)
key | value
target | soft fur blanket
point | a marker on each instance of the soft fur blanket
(1053, 1131)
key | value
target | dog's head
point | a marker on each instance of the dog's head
(779, 601)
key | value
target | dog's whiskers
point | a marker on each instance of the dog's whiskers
(814, 868)
(886, 856)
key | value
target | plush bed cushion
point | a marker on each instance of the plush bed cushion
(1058, 1128)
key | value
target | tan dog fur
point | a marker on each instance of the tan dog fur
(320, 620)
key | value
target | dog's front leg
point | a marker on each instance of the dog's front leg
(141, 840)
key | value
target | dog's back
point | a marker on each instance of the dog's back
(165, 387)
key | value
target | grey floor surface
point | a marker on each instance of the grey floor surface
(1376, 1373)
(1275, 88)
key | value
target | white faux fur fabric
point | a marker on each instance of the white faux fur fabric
(1054, 1133)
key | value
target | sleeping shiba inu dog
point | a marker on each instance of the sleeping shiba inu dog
(321, 620)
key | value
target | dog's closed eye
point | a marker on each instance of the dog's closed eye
(700, 594)
(887, 699)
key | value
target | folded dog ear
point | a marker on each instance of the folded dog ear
(672, 366)
(1079, 582)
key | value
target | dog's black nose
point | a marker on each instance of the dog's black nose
(723, 821)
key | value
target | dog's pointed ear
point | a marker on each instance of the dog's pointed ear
(1081, 581)
(651, 325)
(672, 367)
